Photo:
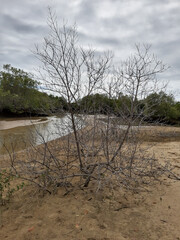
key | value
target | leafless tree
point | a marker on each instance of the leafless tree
(98, 149)
(72, 72)
(129, 85)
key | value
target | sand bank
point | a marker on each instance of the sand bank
(4, 124)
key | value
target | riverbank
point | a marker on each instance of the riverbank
(113, 214)
(19, 122)
(19, 133)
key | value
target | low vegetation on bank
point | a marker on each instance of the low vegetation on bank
(21, 95)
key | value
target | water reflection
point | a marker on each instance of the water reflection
(19, 138)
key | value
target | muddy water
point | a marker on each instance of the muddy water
(18, 134)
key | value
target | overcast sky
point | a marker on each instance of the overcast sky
(105, 24)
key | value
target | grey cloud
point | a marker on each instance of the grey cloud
(159, 3)
(105, 24)
(86, 10)
(107, 41)
(19, 26)
(23, 60)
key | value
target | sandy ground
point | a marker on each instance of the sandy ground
(19, 123)
(112, 215)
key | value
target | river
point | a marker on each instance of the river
(19, 133)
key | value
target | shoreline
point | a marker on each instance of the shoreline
(7, 124)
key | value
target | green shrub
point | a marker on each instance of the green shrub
(6, 188)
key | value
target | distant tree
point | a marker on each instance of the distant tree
(58, 104)
(16, 81)
(96, 103)
(122, 105)
(177, 106)
(19, 94)
(162, 106)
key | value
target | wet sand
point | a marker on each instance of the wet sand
(8, 124)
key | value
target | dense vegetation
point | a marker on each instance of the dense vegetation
(19, 94)
(159, 107)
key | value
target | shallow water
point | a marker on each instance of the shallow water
(18, 134)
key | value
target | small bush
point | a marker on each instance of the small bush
(6, 188)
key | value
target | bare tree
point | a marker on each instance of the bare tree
(129, 86)
(101, 149)
(71, 72)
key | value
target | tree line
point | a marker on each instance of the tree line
(20, 95)
(159, 106)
